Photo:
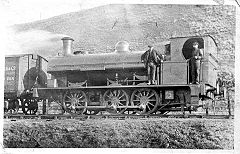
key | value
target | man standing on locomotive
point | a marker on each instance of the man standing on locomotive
(151, 59)
(195, 61)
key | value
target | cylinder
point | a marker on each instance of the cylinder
(67, 46)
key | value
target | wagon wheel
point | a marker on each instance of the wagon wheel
(146, 99)
(75, 102)
(6, 103)
(16, 102)
(116, 99)
(29, 106)
(11, 105)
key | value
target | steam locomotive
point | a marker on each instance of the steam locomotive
(117, 82)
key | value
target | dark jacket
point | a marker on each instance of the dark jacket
(198, 53)
(151, 56)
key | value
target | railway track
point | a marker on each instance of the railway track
(117, 116)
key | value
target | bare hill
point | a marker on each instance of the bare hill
(100, 28)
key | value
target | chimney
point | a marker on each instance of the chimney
(67, 46)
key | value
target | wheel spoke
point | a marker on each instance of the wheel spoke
(69, 97)
(148, 107)
(152, 100)
(121, 96)
(82, 103)
(121, 104)
(111, 94)
(115, 92)
(80, 97)
(137, 96)
(108, 96)
(147, 93)
(150, 103)
(151, 96)
(82, 100)
(119, 92)
(138, 104)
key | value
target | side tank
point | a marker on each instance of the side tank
(95, 69)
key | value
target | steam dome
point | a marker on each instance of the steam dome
(122, 46)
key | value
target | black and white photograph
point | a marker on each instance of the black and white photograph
(120, 76)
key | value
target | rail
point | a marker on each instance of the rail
(114, 116)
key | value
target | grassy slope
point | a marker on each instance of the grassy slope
(93, 29)
(150, 133)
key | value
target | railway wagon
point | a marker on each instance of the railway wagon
(22, 73)
(117, 82)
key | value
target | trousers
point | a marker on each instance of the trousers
(195, 69)
(152, 72)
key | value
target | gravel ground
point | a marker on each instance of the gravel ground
(131, 133)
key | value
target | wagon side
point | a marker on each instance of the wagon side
(22, 73)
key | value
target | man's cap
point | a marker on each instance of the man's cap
(195, 43)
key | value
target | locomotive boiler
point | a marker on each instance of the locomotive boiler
(117, 82)
(23, 72)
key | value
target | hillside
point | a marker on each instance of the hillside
(100, 28)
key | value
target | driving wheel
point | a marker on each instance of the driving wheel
(116, 99)
(145, 99)
(75, 102)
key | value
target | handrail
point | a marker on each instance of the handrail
(214, 58)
